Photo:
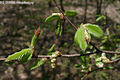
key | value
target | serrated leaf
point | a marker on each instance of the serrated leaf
(22, 56)
(26, 57)
(80, 38)
(70, 13)
(52, 18)
(95, 30)
(37, 64)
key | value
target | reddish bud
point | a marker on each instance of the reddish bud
(37, 32)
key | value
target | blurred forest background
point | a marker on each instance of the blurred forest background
(17, 25)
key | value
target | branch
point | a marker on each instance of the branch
(64, 15)
(65, 55)
(103, 51)
(2, 59)
(86, 75)
(110, 52)
(116, 60)
(98, 50)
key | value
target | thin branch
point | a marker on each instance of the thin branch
(113, 61)
(104, 51)
(110, 52)
(98, 50)
(63, 55)
(86, 75)
(2, 59)
(64, 15)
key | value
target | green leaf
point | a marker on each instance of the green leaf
(108, 68)
(9, 62)
(101, 17)
(22, 56)
(70, 13)
(58, 26)
(95, 30)
(26, 57)
(52, 18)
(35, 37)
(51, 49)
(83, 60)
(80, 38)
(37, 64)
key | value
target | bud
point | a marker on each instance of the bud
(87, 36)
(53, 55)
(44, 59)
(58, 53)
(53, 60)
(59, 14)
(37, 31)
(98, 59)
(106, 61)
(53, 65)
(99, 64)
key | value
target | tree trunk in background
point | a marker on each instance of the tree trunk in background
(99, 7)
(85, 14)
(50, 3)
(61, 5)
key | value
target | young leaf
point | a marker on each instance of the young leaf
(95, 30)
(26, 57)
(37, 64)
(23, 56)
(70, 13)
(35, 37)
(52, 18)
(101, 17)
(58, 27)
(51, 49)
(80, 38)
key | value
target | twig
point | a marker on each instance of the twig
(116, 60)
(64, 15)
(86, 75)
(104, 51)
(48, 56)
(110, 52)
(2, 59)
(98, 50)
